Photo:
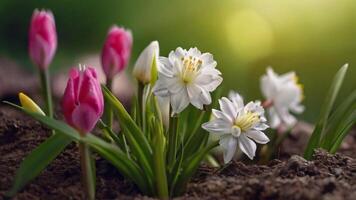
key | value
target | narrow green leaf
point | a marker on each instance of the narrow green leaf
(190, 166)
(340, 114)
(38, 160)
(319, 131)
(119, 159)
(159, 157)
(136, 139)
(342, 130)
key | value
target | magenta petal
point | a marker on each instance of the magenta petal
(84, 118)
(68, 101)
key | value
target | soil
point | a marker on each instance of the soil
(325, 177)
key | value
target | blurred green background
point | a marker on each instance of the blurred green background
(312, 37)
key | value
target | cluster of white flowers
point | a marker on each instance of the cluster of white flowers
(189, 76)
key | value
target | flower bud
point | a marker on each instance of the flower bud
(42, 38)
(82, 103)
(28, 104)
(116, 51)
(143, 65)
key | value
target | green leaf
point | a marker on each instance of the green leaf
(342, 131)
(319, 130)
(38, 160)
(136, 139)
(159, 158)
(340, 114)
(190, 166)
(120, 160)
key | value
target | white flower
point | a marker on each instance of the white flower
(238, 125)
(187, 77)
(143, 65)
(284, 94)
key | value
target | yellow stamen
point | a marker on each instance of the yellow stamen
(191, 66)
(246, 121)
(29, 104)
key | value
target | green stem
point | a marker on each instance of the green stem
(46, 92)
(140, 113)
(108, 109)
(172, 140)
(88, 173)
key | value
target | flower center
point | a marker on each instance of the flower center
(191, 66)
(246, 121)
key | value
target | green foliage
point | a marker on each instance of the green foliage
(167, 156)
(332, 127)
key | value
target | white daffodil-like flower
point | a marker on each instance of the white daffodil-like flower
(283, 94)
(187, 77)
(238, 125)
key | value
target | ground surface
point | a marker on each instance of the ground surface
(325, 177)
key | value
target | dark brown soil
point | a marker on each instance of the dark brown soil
(325, 177)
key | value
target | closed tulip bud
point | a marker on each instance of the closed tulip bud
(116, 51)
(82, 103)
(28, 104)
(42, 38)
(144, 63)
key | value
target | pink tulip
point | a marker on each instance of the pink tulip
(116, 51)
(42, 38)
(82, 102)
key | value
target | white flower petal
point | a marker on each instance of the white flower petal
(194, 52)
(297, 108)
(236, 99)
(177, 54)
(257, 136)
(179, 101)
(228, 107)
(261, 126)
(217, 126)
(165, 67)
(220, 115)
(274, 119)
(208, 60)
(247, 146)
(142, 68)
(212, 84)
(229, 145)
(160, 88)
(194, 93)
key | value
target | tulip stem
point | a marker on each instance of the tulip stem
(88, 171)
(46, 92)
(108, 109)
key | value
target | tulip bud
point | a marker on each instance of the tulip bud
(82, 103)
(28, 104)
(116, 51)
(42, 38)
(143, 65)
